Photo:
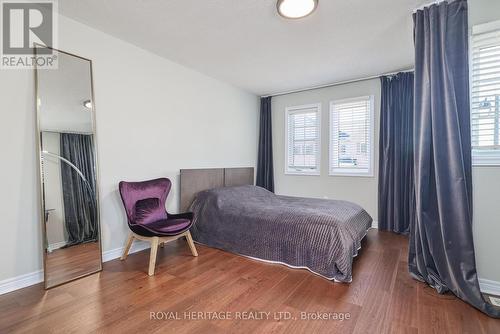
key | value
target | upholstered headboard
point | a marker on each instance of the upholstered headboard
(195, 180)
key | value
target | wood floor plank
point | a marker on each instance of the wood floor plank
(382, 297)
(403, 310)
(375, 317)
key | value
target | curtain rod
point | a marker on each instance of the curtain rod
(68, 132)
(430, 3)
(338, 83)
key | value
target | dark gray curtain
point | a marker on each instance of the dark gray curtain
(265, 176)
(396, 187)
(441, 243)
(80, 210)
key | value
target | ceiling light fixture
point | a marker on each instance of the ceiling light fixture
(87, 104)
(296, 9)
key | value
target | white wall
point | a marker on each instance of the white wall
(360, 190)
(486, 179)
(153, 118)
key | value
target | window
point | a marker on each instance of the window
(351, 137)
(485, 94)
(303, 139)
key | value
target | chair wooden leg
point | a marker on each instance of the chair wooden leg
(130, 239)
(152, 256)
(191, 244)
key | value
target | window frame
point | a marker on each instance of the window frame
(371, 112)
(481, 157)
(294, 110)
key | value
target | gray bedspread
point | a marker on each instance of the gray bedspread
(320, 235)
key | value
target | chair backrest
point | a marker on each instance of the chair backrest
(132, 192)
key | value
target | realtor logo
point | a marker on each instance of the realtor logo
(24, 24)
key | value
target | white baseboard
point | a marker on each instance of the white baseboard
(490, 287)
(375, 224)
(22, 281)
(112, 254)
(56, 245)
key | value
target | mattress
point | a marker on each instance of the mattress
(320, 235)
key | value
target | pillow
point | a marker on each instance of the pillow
(148, 210)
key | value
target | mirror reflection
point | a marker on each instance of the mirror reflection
(68, 170)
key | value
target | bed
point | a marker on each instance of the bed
(231, 214)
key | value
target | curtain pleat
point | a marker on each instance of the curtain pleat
(441, 240)
(396, 186)
(265, 176)
(80, 206)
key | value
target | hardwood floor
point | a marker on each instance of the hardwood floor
(381, 299)
(66, 263)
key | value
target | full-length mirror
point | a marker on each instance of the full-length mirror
(68, 169)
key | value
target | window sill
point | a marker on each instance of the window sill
(485, 164)
(486, 158)
(291, 172)
(352, 172)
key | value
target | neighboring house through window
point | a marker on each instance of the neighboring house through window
(303, 149)
(351, 137)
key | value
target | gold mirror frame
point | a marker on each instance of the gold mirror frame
(40, 169)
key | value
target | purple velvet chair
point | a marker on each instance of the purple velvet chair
(148, 219)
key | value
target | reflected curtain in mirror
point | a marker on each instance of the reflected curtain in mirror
(80, 211)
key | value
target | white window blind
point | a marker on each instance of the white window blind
(303, 139)
(351, 137)
(485, 95)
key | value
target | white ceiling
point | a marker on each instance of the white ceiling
(247, 44)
